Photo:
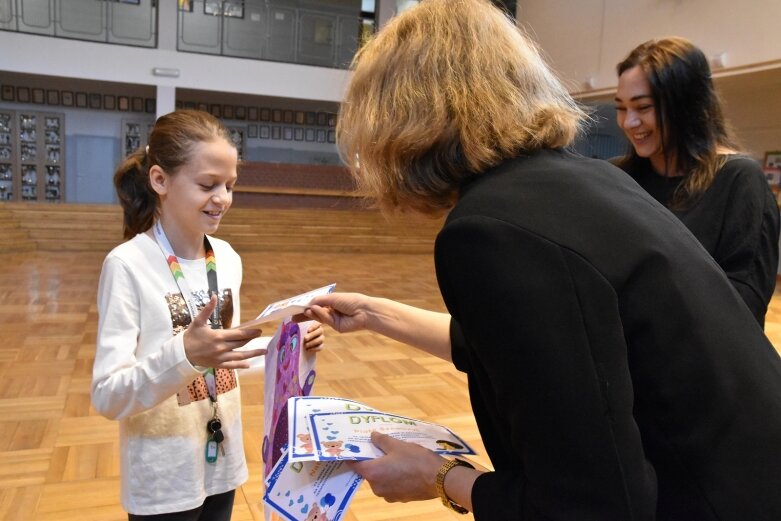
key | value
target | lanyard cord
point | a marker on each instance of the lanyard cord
(184, 290)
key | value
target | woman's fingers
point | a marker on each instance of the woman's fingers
(321, 314)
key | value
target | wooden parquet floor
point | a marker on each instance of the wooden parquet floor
(58, 458)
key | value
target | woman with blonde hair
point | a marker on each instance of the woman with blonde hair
(613, 372)
(682, 154)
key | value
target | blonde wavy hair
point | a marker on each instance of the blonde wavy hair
(444, 92)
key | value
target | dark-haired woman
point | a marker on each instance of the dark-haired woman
(683, 155)
(166, 358)
(613, 371)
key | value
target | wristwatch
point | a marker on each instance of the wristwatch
(440, 484)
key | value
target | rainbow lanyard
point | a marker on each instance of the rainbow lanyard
(211, 276)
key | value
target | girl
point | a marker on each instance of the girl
(165, 359)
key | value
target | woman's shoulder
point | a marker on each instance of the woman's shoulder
(741, 168)
(740, 162)
(552, 191)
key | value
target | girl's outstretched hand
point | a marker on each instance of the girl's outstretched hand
(344, 312)
(207, 347)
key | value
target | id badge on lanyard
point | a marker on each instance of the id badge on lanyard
(214, 425)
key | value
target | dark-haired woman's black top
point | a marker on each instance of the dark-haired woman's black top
(736, 220)
(613, 371)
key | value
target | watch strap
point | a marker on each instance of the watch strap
(440, 484)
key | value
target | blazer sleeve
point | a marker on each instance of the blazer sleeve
(748, 245)
(549, 385)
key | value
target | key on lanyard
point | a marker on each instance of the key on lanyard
(215, 439)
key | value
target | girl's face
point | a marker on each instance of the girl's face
(195, 198)
(636, 115)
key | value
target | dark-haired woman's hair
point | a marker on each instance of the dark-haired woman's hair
(688, 113)
(171, 143)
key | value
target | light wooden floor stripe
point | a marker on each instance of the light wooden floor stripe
(58, 458)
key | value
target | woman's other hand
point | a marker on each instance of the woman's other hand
(407, 472)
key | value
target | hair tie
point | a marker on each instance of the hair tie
(146, 150)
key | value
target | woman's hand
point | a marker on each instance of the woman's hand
(207, 347)
(344, 312)
(314, 338)
(407, 472)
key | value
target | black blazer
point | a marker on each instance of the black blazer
(614, 372)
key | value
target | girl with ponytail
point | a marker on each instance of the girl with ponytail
(167, 298)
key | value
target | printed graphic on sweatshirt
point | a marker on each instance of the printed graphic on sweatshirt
(180, 320)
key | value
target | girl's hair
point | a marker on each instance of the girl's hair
(171, 143)
(445, 91)
(688, 113)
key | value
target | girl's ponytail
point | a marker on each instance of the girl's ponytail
(138, 200)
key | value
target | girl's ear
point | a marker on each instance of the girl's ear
(158, 179)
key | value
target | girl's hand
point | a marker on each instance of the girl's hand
(314, 338)
(207, 347)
